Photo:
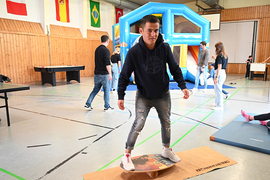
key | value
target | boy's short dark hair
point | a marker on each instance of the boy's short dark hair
(104, 38)
(203, 43)
(249, 56)
(149, 18)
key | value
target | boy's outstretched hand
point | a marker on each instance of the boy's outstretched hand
(186, 93)
(120, 104)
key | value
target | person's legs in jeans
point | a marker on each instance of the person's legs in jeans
(218, 88)
(111, 87)
(197, 77)
(218, 96)
(205, 77)
(142, 108)
(224, 92)
(97, 87)
(106, 87)
(114, 76)
(163, 107)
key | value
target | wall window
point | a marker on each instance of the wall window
(183, 25)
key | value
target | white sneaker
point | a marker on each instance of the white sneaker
(127, 162)
(168, 153)
(227, 96)
(217, 108)
(108, 109)
(88, 107)
(214, 105)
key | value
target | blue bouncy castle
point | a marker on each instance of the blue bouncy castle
(181, 27)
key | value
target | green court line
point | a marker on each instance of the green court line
(9, 173)
(187, 110)
(150, 137)
(239, 80)
(234, 84)
(123, 154)
(135, 146)
(191, 130)
(160, 130)
(236, 91)
(20, 178)
(110, 162)
(173, 123)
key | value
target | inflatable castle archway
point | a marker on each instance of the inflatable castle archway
(181, 27)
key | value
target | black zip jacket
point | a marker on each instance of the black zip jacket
(150, 69)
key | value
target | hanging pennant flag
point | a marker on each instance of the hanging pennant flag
(118, 14)
(62, 10)
(95, 14)
(17, 7)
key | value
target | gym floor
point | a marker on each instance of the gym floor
(52, 136)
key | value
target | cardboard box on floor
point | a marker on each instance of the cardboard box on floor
(194, 162)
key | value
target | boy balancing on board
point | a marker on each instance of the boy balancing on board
(148, 60)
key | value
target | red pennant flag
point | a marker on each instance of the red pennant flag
(118, 14)
(17, 7)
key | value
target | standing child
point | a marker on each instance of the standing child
(248, 61)
(116, 67)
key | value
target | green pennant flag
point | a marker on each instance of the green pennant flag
(95, 14)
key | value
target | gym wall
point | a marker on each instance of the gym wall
(260, 13)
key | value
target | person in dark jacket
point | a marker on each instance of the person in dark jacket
(148, 60)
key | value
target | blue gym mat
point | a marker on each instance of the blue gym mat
(174, 85)
(252, 135)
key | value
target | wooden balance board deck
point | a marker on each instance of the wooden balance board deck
(150, 164)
